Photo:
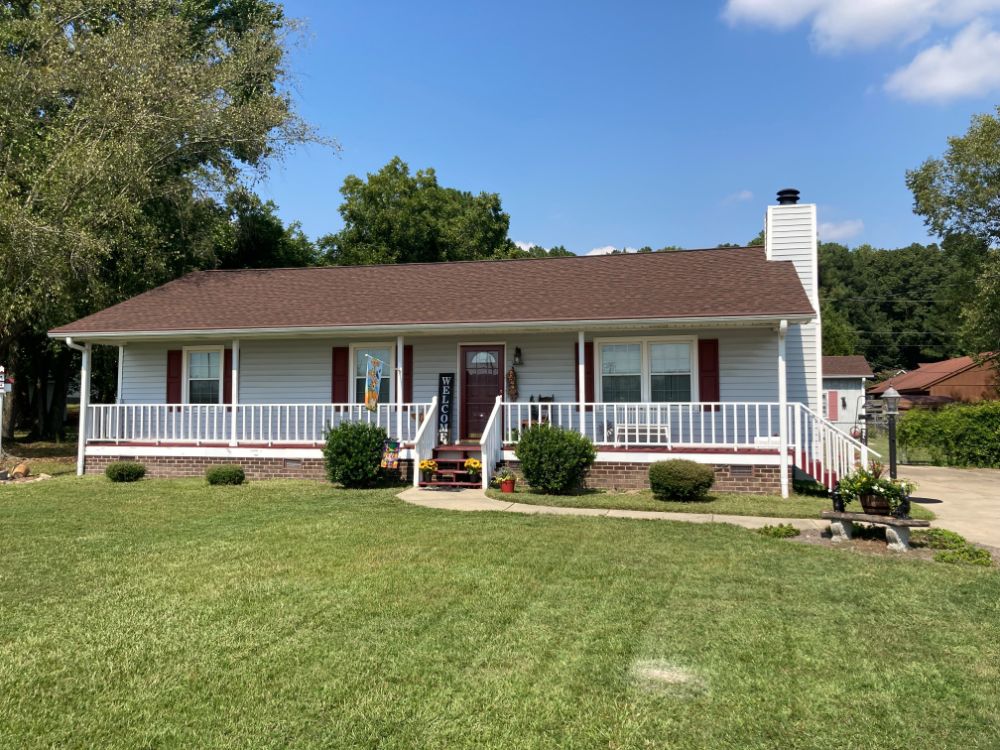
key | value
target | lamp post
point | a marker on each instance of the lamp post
(890, 400)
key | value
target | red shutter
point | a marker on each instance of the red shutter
(175, 369)
(227, 377)
(408, 373)
(588, 370)
(708, 370)
(832, 405)
(341, 371)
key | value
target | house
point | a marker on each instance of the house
(945, 382)
(844, 391)
(709, 355)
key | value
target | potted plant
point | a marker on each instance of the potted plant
(505, 478)
(474, 468)
(878, 495)
(428, 467)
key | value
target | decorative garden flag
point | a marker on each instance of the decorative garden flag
(373, 382)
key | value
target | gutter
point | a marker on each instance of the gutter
(438, 328)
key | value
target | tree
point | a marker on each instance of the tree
(119, 123)
(395, 217)
(959, 194)
(254, 236)
(839, 336)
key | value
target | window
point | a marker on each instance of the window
(204, 376)
(621, 372)
(653, 370)
(669, 372)
(382, 352)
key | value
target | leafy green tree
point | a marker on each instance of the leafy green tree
(839, 336)
(255, 237)
(394, 216)
(119, 122)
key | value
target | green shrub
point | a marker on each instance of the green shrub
(957, 435)
(225, 475)
(967, 555)
(781, 531)
(125, 471)
(353, 454)
(680, 480)
(554, 461)
(938, 539)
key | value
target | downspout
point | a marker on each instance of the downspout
(783, 408)
(84, 401)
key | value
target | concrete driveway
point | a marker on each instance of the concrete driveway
(969, 499)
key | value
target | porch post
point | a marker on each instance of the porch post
(581, 376)
(399, 388)
(84, 408)
(235, 375)
(783, 408)
(121, 370)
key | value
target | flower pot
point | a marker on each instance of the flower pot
(875, 505)
(507, 485)
(428, 476)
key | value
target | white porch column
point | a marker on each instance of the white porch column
(121, 370)
(84, 408)
(235, 375)
(783, 407)
(581, 377)
(399, 388)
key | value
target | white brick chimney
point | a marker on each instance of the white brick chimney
(791, 234)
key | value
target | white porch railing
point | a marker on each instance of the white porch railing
(821, 449)
(254, 423)
(732, 425)
(426, 440)
(491, 443)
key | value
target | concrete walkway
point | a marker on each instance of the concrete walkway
(478, 500)
(969, 499)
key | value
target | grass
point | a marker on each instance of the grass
(42, 456)
(723, 503)
(172, 614)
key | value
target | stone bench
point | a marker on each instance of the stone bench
(897, 530)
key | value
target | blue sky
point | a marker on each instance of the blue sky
(628, 124)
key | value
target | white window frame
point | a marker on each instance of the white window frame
(391, 346)
(222, 371)
(645, 374)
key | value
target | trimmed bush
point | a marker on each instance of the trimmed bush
(957, 435)
(353, 454)
(554, 461)
(680, 480)
(938, 539)
(125, 471)
(225, 475)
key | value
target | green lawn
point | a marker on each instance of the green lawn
(292, 614)
(772, 506)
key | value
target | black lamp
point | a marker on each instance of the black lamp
(518, 361)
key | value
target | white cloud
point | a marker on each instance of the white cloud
(608, 249)
(741, 196)
(525, 245)
(967, 66)
(839, 231)
(837, 25)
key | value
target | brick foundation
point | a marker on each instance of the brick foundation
(756, 479)
(172, 467)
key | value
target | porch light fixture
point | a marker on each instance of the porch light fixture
(891, 400)
(518, 360)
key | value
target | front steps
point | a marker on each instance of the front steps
(451, 473)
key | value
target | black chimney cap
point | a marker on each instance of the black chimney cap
(788, 197)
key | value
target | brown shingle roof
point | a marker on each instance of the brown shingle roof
(853, 366)
(926, 375)
(692, 284)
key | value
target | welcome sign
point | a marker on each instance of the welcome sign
(446, 389)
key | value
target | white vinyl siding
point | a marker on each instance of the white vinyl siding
(300, 370)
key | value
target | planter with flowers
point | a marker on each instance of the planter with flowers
(473, 468)
(428, 468)
(505, 478)
(878, 495)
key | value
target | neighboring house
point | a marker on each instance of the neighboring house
(844, 391)
(710, 355)
(940, 383)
